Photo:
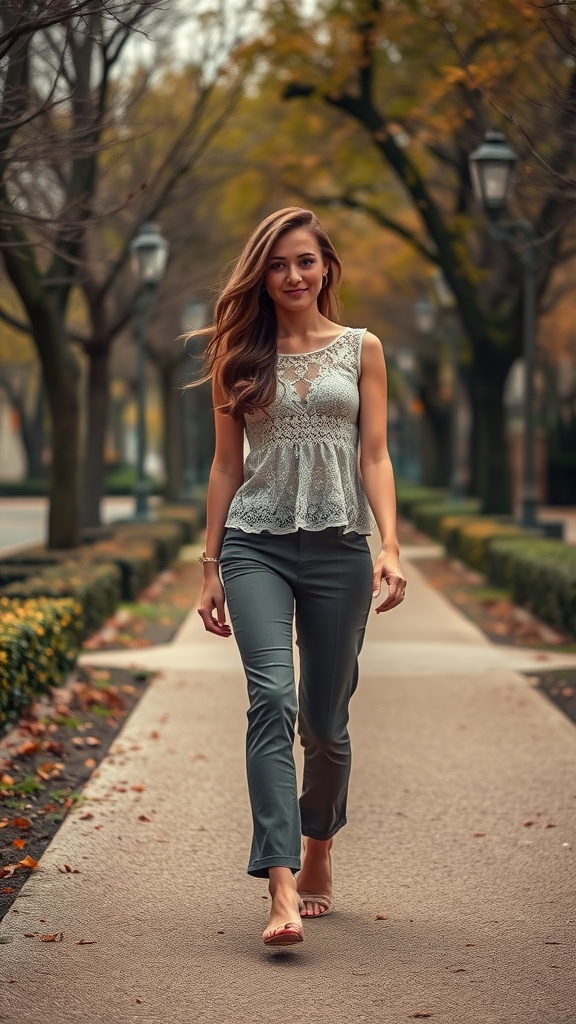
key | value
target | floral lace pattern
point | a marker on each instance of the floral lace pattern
(302, 468)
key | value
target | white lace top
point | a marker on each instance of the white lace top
(302, 468)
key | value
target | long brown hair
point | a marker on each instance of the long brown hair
(241, 353)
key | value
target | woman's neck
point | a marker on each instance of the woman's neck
(300, 325)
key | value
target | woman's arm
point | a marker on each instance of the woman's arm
(376, 469)
(226, 476)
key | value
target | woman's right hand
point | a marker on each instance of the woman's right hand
(212, 600)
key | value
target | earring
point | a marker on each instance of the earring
(324, 280)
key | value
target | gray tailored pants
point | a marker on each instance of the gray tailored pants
(325, 578)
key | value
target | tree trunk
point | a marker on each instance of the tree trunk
(173, 410)
(62, 393)
(33, 437)
(490, 453)
(94, 471)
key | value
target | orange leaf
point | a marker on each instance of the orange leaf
(87, 816)
(93, 741)
(86, 942)
(90, 762)
(28, 747)
(20, 843)
(7, 780)
(56, 937)
(8, 870)
(21, 822)
(142, 817)
(29, 862)
(138, 789)
(7, 888)
(4, 822)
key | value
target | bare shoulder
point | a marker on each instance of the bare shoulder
(372, 351)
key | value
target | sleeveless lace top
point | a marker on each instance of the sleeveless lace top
(302, 468)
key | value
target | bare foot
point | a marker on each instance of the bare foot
(285, 908)
(316, 877)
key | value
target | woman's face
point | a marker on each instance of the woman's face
(295, 270)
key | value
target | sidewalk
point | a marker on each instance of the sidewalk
(448, 904)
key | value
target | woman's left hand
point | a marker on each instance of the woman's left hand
(387, 567)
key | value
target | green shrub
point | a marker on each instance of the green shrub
(431, 517)
(167, 538)
(95, 587)
(39, 643)
(410, 495)
(136, 560)
(11, 571)
(187, 515)
(468, 538)
(541, 574)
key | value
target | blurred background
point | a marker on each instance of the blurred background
(141, 142)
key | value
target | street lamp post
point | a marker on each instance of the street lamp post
(446, 301)
(193, 319)
(491, 168)
(149, 254)
(406, 363)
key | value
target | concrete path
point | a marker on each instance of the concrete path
(450, 905)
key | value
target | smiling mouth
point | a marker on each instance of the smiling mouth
(295, 291)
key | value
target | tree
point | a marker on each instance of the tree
(423, 83)
(54, 105)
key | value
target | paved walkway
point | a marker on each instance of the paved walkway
(449, 905)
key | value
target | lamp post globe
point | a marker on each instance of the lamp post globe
(148, 256)
(492, 166)
(193, 319)
(424, 315)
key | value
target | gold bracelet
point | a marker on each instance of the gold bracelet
(206, 558)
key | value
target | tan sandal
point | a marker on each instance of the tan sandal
(285, 935)
(320, 898)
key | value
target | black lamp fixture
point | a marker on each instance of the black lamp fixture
(492, 167)
(148, 257)
(149, 254)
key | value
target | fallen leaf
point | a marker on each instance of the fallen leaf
(137, 789)
(138, 1000)
(29, 747)
(29, 862)
(86, 816)
(478, 835)
(380, 917)
(56, 937)
(30, 935)
(527, 823)
(68, 870)
(78, 741)
(6, 780)
(93, 741)
(4, 822)
(142, 817)
(154, 735)
(20, 843)
(90, 762)
(21, 822)
(8, 870)
(86, 942)
(7, 888)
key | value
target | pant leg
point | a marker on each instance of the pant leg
(333, 598)
(261, 605)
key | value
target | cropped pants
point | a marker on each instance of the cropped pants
(325, 579)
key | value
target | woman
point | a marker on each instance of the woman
(288, 530)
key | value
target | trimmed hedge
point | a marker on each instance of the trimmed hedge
(39, 643)
(408, 496)
(95, 587)
(167, 538)
(431, 517)
(136, 560)
(188, 516)
(541, 574)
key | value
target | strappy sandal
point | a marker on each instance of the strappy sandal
(285, 935)
(320, 898)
